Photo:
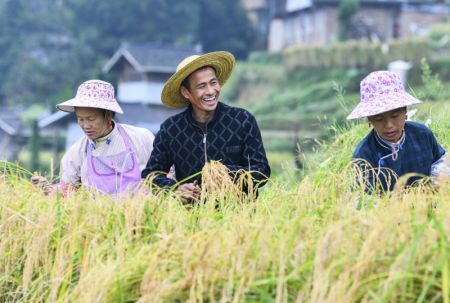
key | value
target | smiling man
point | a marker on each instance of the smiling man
(207, 130)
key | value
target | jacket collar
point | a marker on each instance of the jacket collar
(218, 112)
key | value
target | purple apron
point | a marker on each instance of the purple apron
(114, 174)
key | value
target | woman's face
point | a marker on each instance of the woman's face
(389, 125)
(94, 122)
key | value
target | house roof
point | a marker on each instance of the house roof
(52, 118)
(283, 7)
(147, 116)
(137, 114)
(151, 57)
(381, 1)
(10, 122)
(253, 4)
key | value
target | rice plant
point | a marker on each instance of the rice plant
(294, 243)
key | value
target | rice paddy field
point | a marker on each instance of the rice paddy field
(299, 241)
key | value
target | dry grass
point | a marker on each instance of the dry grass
(302, 243)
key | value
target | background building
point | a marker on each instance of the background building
(316, 21)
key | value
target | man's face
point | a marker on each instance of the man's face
(389, 125)
(204, 90)
(92, 121)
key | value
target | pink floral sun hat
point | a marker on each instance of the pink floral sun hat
(381, 91)
(93, 93)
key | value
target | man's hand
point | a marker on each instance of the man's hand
(188, 192)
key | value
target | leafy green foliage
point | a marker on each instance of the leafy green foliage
(347, 9)
(50, 46)
(218, 31)
(433, 88)
(34, 147)
(356, 54)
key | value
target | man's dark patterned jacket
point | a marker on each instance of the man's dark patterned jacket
(232, 137)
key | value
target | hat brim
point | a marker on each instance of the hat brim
(223, 63)
(69, 105)
(382, 104)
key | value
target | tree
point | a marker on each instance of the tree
(50, 46)
(34, 147)
(33, 65)
(346, 11)
(223, 25)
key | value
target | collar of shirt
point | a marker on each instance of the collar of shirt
(217, 114)
(105, 140)
(394, 147)
(390, 145)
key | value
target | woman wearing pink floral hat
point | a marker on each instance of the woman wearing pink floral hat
(110, 156)
(395, 146)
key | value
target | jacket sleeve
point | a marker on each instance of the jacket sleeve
(160, 161)
(254, 154)
(437, 150)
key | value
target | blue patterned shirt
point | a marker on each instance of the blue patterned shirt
(416, 155)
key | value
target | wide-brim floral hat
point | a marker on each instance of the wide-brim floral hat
(381, 91)
(223, 63)
(95, 94)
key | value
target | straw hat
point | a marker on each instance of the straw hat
(381, 91)
(93, 93)
(222, 62)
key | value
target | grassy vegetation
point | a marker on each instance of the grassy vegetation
(300, 241)
(301, 107)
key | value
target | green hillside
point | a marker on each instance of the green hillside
(299, 108)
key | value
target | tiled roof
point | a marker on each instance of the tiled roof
(146, 116)
(152, 57)
(10, 121)
(281, 7)
(136, 114)
(383, 1)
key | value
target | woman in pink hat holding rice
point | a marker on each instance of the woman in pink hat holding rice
(394, 147)
(110, 156)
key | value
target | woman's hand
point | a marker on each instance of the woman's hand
(42, 183)
(440, 171)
